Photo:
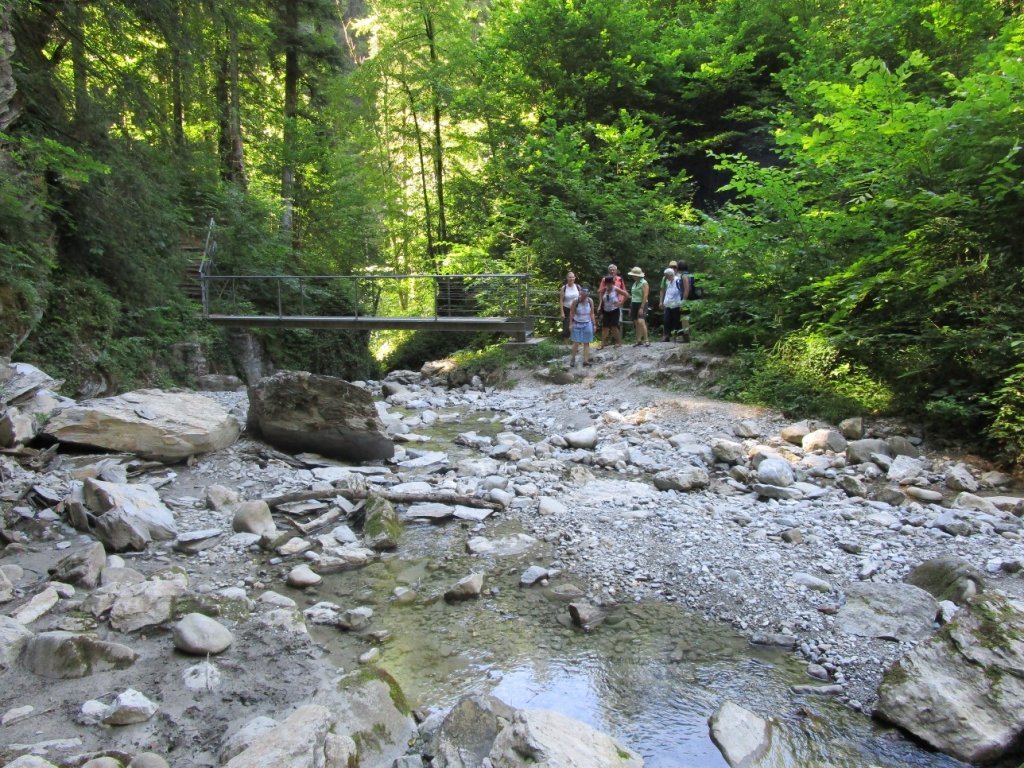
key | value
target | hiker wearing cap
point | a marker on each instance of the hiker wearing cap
(583, 322)
(671, 299)
(612, 294)
(638, 295)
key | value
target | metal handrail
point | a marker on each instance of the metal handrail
(206, 265)
(449, 294)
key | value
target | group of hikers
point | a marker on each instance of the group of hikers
(581, 312)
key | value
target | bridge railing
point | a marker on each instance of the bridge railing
(379, 296)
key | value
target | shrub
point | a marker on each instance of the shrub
(805, 375)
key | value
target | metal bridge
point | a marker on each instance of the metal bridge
(492, 303)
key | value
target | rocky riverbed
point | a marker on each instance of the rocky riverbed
(636, 488)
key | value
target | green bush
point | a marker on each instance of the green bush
(86, 330)
(1008, 423)
(805, 375)
(330, 353)
(414, 348)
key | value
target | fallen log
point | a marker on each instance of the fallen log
(395, 498)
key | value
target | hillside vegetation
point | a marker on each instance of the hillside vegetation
(844, 177)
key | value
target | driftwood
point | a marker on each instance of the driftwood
(395, 498)
(320, 522)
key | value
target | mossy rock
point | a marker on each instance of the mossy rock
(381, 527)
(948, 578)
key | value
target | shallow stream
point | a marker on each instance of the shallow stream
(650, 675)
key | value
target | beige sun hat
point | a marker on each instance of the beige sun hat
(636, 272)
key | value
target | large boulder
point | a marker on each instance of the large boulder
(961, 690)
(467, 733)
(13, 635)
(887, 611)
(201, 635)
(685, 478)
(544, 739)
(19, 380)
(741, 736)
(16, 428)
(163, 426)
(303, 740)
(83, 566)
(301, 412)
(371, 710)
(63, 655)
(863, 451)
(145, 604)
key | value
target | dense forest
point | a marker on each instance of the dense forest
(845, 177)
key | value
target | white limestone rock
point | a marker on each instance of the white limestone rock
(538, 738)
(200, 635)
(740, 735)
(151, 423)
(130, 707)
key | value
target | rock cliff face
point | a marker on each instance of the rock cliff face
(20, 308)
(9, 108)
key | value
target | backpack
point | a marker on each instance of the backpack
(690, 286)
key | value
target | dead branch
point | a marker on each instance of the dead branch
(395, 498)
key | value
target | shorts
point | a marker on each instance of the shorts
(582, 334)
(634, 311)
(610, 318)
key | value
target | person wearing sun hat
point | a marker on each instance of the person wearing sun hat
(639, 293)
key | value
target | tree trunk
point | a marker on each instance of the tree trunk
(291, 111)
(79, 69)
(442, 227)
(423, 176)
(177, 98)
(232, 154)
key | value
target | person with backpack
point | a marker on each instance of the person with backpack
(689, 294)
(583, 323)
(639, 293)
(611, 293)
(670, 299)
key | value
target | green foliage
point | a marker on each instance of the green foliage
(27, 236)
(409, 350)
(88, 335)
(499, 356)
(806, 375)
(332, 353)
(885, 230)
(1007, 403)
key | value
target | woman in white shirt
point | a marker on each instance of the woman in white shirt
(567, 294)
